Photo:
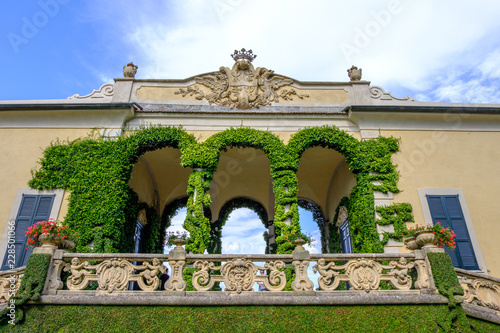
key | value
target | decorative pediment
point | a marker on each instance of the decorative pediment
(242, 86)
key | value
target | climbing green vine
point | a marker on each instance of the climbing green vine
(397, 215)
(31, 287)
(103, 209)
(447, 284)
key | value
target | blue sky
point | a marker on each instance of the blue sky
(446, 51)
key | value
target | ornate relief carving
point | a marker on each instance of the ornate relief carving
(113, 274)
(481, 292)
(106, 91)
(242, 86)
(9, 284)
(364, 274)
(238, 275)
(379, 93)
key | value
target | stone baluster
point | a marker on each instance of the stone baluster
(301, 262)
(54, 274)
(177, 261)
(424, 276)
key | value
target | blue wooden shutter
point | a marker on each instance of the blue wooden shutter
(34, 208)
(345, 237)
(446, 210)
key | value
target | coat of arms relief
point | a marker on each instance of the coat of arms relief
(242, 86)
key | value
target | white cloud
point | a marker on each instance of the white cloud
(242, 233)
(405, 45)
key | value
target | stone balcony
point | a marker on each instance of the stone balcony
(344, 279)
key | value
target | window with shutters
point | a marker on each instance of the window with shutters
(446, 210)
(345, 237)
(33, 209)
(30, 206)
(448, 207)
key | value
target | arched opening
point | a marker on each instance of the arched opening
(241, 227)
(160, 183)
(243, 233)
(312, 222)
(323, 180)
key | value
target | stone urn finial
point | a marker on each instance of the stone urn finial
(354, 73)
(130, 70)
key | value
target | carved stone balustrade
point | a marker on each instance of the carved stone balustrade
(231, 279)
(10, 281)
(358, 272)
(367, 271)
(481, 294)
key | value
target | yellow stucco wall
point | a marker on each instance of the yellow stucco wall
(341, 186)
(464, 160)
(141, 183)
(25, 148)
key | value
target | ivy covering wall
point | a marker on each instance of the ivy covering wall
(103, 209)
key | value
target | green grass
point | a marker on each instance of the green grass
(402, 318)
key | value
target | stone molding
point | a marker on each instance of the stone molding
(377, 92)
(104, 94)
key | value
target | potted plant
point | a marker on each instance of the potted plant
(50, 234)
(430, 235)
(176, 238)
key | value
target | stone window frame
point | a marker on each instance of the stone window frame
(423, 192)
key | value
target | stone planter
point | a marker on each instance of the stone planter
(130, 70)
(411, 243)
(47, 241)
(426, 238)
(179, 242)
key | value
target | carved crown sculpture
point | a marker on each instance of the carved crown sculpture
(242, 86)
(130, 70)
(354, 73)
(243, 54)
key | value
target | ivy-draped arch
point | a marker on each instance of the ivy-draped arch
(368, 160)
(103, 208)
(225, 211)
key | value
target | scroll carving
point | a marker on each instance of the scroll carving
(9, 284)
(364, 274)
(377, 92)
(105, 91)
(114, 274)
(238, 275)
(481, 292)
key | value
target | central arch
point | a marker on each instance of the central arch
(226, 210)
